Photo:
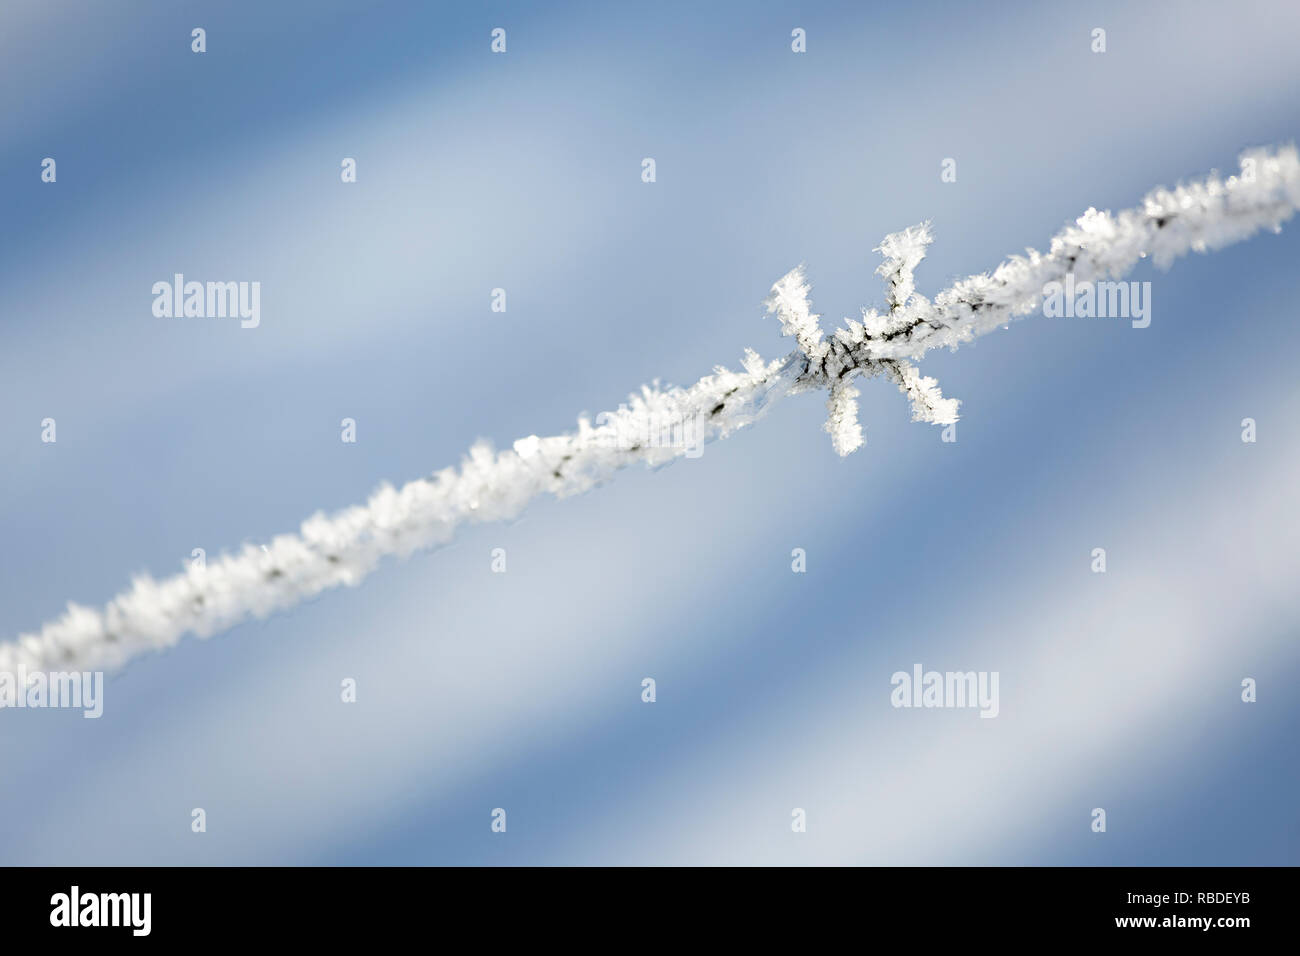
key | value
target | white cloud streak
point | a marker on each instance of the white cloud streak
(345, 547)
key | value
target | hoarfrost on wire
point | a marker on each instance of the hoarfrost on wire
(344, 547)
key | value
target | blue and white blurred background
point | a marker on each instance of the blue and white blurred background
(522, 691)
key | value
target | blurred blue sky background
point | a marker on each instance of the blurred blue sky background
(480, 690)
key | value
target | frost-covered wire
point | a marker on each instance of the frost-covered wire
(489, 485)
(1196, 217)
